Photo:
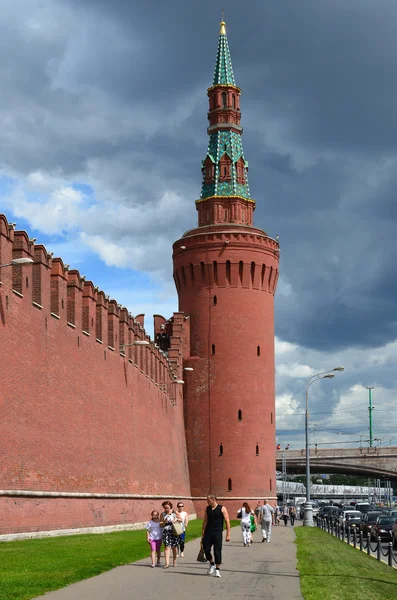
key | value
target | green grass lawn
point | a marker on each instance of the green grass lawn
(331, 570)
(30, 568)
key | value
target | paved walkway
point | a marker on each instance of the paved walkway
(262, 571)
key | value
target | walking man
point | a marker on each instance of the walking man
(266, 521)
(214, 517)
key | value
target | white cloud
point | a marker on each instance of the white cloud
(294, 370)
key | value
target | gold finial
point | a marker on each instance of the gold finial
(223, 24)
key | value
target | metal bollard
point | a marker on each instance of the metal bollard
(378, 549)
(354, 538)
(390, 555)
(348, 535)
(361, 541)
(368, 544)
(343, 533)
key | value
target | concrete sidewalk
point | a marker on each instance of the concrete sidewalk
(258, 572)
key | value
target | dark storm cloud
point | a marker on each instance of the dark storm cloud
(114, 94)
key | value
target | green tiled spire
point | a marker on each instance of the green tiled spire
(223, 73)
(225, 139)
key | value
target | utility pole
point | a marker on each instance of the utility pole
(284, 477)
(370, 409)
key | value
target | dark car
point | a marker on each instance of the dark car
(364, 507)
(323, 512)
(382, 527)
(332, 515)
(368, 520)
(394, 534)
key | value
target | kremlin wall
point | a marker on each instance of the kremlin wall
(89, 435)
(98, 423)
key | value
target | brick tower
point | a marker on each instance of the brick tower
(226, 272)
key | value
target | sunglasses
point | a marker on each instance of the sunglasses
(180, 506)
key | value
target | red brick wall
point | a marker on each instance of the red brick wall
(76, 416)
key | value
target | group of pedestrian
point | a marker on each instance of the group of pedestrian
(168, 528)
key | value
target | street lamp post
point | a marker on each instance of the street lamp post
(18, 261)
(370, 409)
(308, 517)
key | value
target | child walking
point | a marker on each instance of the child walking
(154, 536)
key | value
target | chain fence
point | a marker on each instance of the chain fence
(355, 537)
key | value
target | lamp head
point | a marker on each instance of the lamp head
(339, 369)
(330, 376)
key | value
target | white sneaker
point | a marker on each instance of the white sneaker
(268, 541)
(217, 573)
(182, 555)
(211, 569)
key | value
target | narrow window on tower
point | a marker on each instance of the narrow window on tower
(224, 99)
(224, 171)
(263, 275)
(178, 283)
(215, 265)
(228, 271)
(243, 216)
(252, 273)
(270, 277)
(226, 216)
(258, 350)
(229, 485)
(221, 450)
(215, 300)
(202, 267)
(270, 485)
(257, 450)
(240, 415)
(271, 418)
(183, 275)
(234, 100)
(240, 270)
(213, 349)
(192, 273)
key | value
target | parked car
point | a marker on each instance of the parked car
(364, 507)
(353, 519)
(324, 510)
(332, 515)
(344, 513)
(368, 520)
(382, 527)
(315, 509)
(394, 534)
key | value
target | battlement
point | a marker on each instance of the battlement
(226, 257)
(63, 295)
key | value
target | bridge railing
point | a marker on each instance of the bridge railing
(354, 537)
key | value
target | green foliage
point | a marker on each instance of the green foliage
(331, 570)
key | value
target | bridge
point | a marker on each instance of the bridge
(378, 462)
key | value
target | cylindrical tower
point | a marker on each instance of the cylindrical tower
(226, 273)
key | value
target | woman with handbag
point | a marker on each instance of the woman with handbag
(172, 527)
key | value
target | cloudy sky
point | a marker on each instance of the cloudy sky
(103, 127)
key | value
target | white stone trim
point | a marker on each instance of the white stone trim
(45, 494)
(10, 537)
